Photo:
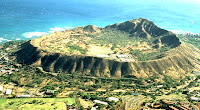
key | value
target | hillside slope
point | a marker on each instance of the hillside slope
(177, 60)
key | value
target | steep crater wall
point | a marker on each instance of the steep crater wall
(177, 61)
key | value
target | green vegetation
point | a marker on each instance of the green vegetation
(36, 103)
(113, 47)
(149, 56)
(12, 46)
(192, 39)
(120, 39)
(74, 48)
(109, 36)
(32, 77)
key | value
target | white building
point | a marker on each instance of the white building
(39, 94)
(113, 99)
(159, 86)
(100, 102)
(1, 88)
(194, 98)
(126, 60)
(191, 91)
(3, 71)
(103, 56)
(25, 95)
(8, 91)
(124, 56)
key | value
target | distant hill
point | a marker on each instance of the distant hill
(135, 48)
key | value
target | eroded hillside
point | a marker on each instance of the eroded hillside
(133, 48)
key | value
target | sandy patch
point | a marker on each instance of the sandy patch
(98, 50)
(119, 90)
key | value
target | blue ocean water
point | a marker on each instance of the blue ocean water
(26, 19)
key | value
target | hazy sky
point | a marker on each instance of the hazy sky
(139, 1)
(116, 1)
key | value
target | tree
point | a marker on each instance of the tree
(140, 81)
(154, 97)
(81, 108)
(114, 86)
(81, 93)
(87, 96)
(56, 93)
(98, 81)
(119, 85)
(14, 96)
(89, 108)
(93, 97)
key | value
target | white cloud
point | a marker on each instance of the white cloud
(34, 34)
(56, 29)
(185, 1)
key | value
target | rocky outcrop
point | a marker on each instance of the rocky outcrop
(144, 28)
(90, 29)
(140, 27)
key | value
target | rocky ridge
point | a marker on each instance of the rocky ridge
(179, 60)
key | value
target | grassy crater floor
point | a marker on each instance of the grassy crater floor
(108, 43)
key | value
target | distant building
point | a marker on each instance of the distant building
(39, 94)
(1, 88)
(50, 92)
(25, 96)
(8, 91)
(7, 49)
(113, 99)
(126, 60)
(100, 102)
(159, 86)
(191, 91)
(10, 72)
(194, 98)
(124, 56)
(3, 71)
(103, 56)
(135, 94)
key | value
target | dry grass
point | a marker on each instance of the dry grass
(84, 103)
(98, 50)
(57, 43)
(40, 104)
(119, 90)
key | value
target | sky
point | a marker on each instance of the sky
(138, 1)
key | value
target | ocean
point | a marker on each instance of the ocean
(27, 19)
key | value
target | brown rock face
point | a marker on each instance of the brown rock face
(144, 28)
(90, 29)
(182, 58)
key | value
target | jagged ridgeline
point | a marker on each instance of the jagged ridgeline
(135, 48)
